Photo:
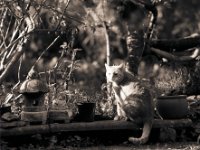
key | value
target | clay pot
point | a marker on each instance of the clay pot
(86, 111)
(172, 107)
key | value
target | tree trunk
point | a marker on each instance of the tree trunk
(135, 46)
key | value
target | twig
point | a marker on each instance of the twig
(20, 48)
(59, 12)
(6, 34)
(4, 12)
(63, 14)
(59, 60)
(44, 52)
(180, 44)
(19, 69)
(1, 26)
(108, 54)
(151, 7)
(2, 61)
(4, 40)
(11, 63)
(20, 37)
(152, 22)
(18, 74)
(16, 30)
(39, 9)
(11, 50)
(1, 16)
(72, 64)
(54, 71)
(108, 61)
(144, 4)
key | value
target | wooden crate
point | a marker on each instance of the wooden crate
(58, 116)
(34, 117)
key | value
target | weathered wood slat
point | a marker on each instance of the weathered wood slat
(88, 126)
(4, 124)
(180, 123)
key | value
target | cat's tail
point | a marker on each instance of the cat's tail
(145, 134)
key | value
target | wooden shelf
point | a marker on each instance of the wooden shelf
(88, 126)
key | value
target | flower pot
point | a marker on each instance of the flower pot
(86, 111)
(172, 107)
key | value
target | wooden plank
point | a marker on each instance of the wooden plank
(89, 126)
(12, 124)
(179, 123)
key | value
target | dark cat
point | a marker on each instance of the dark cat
(134, 101)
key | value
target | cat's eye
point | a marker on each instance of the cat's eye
(115, 73)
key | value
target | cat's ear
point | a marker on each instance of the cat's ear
(122, 65)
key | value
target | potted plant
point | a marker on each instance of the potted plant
(58, 111)
(86, 107)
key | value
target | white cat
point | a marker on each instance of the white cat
(134, 101)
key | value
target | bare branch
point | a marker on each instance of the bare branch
(60, 13)
(63, 14)
(2, 62)
(30, 26)
(11, 63)
(180, 44)
(177, 58)
(16, 30)
(44, 53)
(6, 34)
(18, 74)
(108, 61)
(151, 7)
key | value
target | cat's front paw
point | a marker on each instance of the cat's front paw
(120, 118)
(137, 141)
(116, 118)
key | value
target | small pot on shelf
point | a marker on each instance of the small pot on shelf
(172, 107)
(86, 111)
(59, 116)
